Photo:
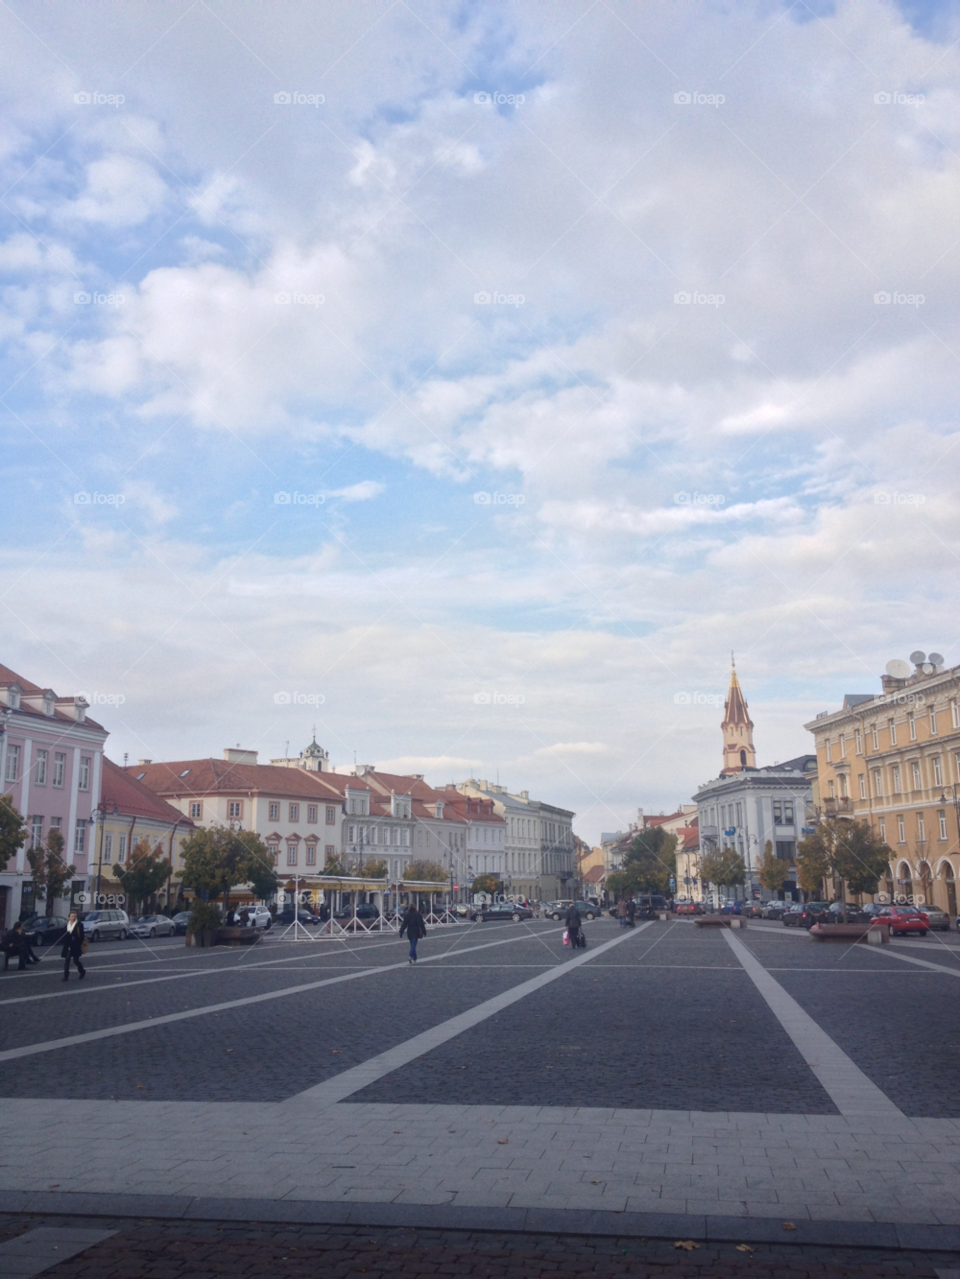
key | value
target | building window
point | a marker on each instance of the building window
(351, 834)
(921, 829)
(912, 721)
(843, 785)
(108, 849)
(84, 783)
(274, 850)
(829, 755)
(896, 779)
(196, 809)
(328, 852)
(883, 829)
(942, 819)
(79, 837)
(235, 808)
(294, 813)
(876, 737)
(787, 812)
(777, 813)
(955, 715)
(830, 788)
(274, 812)
(311, 854)
(291, 854)
(901, 830)
(331, 816)
(121, 848)
(42, 767)
(59, 764)
(933, 722)
(12, 773)
(311, 812)
(859, 736)
(36, 832)
(916, 775)
(406, 837)
(785, 850)
(877, 782)
(937, 771)
(863, 786)
(843, 746)
(893, 733)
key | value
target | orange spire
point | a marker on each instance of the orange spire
(737, 728)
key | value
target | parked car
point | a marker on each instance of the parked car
(791, 916)
(689, 908)
(99, 925)
(257, 916)
(815, 913)
(903, 919)
(181, 921)
(366, 913)
(587, 910)
(751, 910)
(775, 909)
(846, 912)
(939, 919)
(557, 909)
(502, 911)
(153, 926)
(45, 932)
(732, 908)
(304, 916)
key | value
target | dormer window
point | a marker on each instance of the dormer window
(184, 773)
(13, 692)
(438, 811)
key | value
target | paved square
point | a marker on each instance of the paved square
(667, 1070)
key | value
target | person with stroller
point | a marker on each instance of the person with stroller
(574, 931)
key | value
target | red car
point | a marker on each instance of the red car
(689, 908)
(903, 919)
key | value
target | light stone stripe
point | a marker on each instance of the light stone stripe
(923, 963)
(36, 1251)
(331, 1091)
(51, 1045)
(850, 1090)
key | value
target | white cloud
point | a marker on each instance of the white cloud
(120, 191)
(361, 492)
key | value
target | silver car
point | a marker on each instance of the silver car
(939, 919)
(100, 925)
(153, 926)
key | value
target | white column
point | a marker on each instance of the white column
(25, 779)
(74, 798)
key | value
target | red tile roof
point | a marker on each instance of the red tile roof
(134, 799)
(220, 777)
(7, 676)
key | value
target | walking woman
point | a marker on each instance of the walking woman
(415, 928)
(73, 947)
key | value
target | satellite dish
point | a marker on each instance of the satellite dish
(936, 658)
(928, 668)
(897, 668)
(918, 658)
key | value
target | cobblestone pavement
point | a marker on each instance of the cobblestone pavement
(148, 1250)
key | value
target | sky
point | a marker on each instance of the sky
(468, 381)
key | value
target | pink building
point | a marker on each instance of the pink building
(51, 758)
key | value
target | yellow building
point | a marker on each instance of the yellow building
(893, 759)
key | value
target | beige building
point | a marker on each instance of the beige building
(893, 759)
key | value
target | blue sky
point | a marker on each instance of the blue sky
(769, 467)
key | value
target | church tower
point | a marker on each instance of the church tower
(737, 728)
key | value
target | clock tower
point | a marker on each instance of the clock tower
(737, 728)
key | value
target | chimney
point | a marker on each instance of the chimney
(143, 762)
(235, 755)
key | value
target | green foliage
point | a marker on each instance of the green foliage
(51, 874)
(814, 861)
(203, 916)
(336, 865)
(648, 863)
(214, 860)
(851, 851)
(723, 867)
(425, 871)
(771, 869)
(13, 830)
(371, 869)
(487, 884)
(144, 874)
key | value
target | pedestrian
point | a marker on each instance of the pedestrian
(12, 946)
(573, 922)
(622, 913)
(631, 913)
(73, 947)
(415, 928)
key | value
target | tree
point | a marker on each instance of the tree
(214, 860)
(813, 861)
(771, 869)
(425, 871)
(723, 867)
(371, 869)
(336, 865)
(849, 851)
(487, 883)
(51, 874)
(648, 863)
(13, 830)
(144, 874)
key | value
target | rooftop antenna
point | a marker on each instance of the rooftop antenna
(733, 660)
(125, 758)
(286, 749)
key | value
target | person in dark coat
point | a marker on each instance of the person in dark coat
(573, 923)
(631, 913)
(414, 927)
(73, 947)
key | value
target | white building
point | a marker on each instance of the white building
(538, 848)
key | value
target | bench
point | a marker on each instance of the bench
(719, 921)
(237, 936)
(872, 934)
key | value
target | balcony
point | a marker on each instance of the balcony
(838, 806)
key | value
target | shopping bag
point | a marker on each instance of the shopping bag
(566, 938)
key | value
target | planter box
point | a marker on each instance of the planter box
(188, 939)
(237, 936)
(872, 934)
(207, 937)
(719, 921)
